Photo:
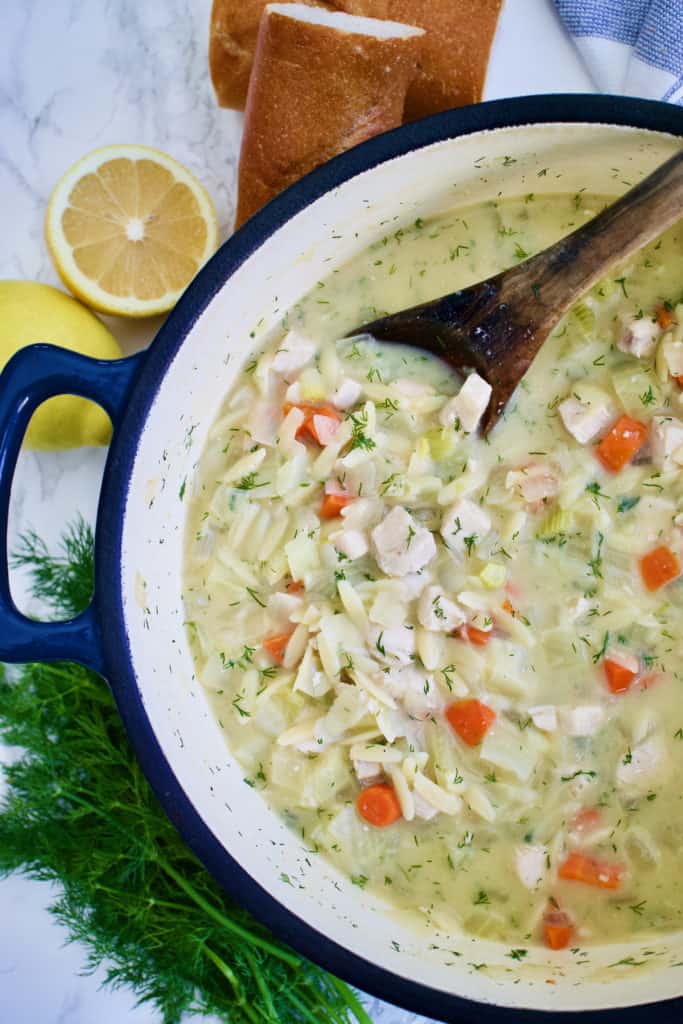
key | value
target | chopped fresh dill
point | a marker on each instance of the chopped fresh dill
(248, 483)
(627, 503)
(595, 563)
(470, 542)
(254, 596)
(594, 489)
(603, 647)
(359, 439)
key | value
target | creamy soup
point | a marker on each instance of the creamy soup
(453, 663)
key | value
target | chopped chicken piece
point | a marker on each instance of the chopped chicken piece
(587, 414)
(325, 429)
(535, 482)
(437, 612)
(415, 690)
(530, 863)
(638, 767)
(401, 545)
(352, 543)
(638, 336)
(468, 406)
(461, 522)
(398, 680)
(347, 394)
(395, 643)
(295, 352)
(367, 771)
(583, 720)
(544, 717)
(394, 723)
(666, 442)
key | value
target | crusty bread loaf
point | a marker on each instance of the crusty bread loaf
(232, 39)
(455, 50)
(321, 82)
(453, 65)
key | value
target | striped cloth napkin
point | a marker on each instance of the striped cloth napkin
(629, 47)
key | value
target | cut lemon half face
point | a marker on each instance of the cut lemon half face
(128, 227)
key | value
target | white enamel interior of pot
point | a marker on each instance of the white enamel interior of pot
(541, 158)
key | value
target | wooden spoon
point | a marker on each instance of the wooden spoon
(497, 327)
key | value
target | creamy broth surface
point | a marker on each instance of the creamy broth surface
(474, 644)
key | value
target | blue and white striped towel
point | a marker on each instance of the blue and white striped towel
(630, 47)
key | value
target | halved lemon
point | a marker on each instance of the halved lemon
(128, 227)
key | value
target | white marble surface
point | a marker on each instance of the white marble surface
(76, 74)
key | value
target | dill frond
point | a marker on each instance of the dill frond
(80, 813)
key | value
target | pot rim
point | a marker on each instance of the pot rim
(576, 108)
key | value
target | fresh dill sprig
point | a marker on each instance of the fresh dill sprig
(359, 439)
(79, 812)
(65, 581)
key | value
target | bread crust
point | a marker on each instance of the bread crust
(453, 64)
(315, 91)
(455, 49)
(232, 41)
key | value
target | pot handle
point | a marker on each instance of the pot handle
(30, 377)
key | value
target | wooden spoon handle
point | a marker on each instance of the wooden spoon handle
(548, 284)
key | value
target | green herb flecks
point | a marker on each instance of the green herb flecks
(577, 774)
(359, 439)
(627, 503)
(595, 563)
(249, 483)
(594, 489)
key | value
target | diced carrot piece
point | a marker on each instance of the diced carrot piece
(658, 567)
(379, 805)
(679, 381)
(664, 317)
(507, 606)
(557, 929)
(294, 586)
(623, 441)
(480, 637)
(308, 428)
(578, 867)
(333, 504)
(277, 645)
(587, 820)
(619, 677)
(471, 720)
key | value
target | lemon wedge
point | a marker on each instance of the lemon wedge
(128, 227)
